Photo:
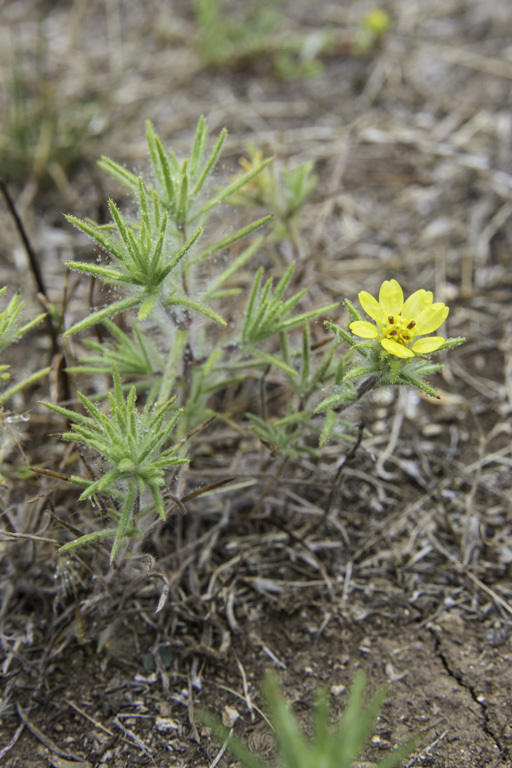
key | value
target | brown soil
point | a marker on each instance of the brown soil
(403, 567)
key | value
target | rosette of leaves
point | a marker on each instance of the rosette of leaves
(131, 443)
(151, 257)
(283, 191)
(269, 314)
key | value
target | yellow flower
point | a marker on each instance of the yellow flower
(255, 187)
(255, 160)
(399, 323)
(377, 22)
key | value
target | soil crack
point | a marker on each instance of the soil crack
(478, 699)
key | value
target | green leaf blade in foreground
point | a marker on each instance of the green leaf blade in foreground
(95, 233)
(197, 307)
(125, 177)
(79, 418)
(209, 165)
(161, 165)
(411, 381)
(240, 261)
(283, 282)
(356, 725)
(230, 239)
(340, 332)
(182, 252)
(272, 360)
(231, 189)
(333, 401)
(105, 313)
(198, 147)
(107, 274)
(331, 418)
(299, 319)
(249, 312)
(102, 483)
(30, 324)
(330, 747)
(27, 382)
(128, 239)
(235, 746)
(88, 538)
(293, 747)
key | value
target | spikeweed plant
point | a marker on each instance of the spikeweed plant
(130, 442)
(283, 191)
(255, 37)
(329, 747)
(9, 334)
(173, 351)
(223, 40)
(396, 348)
(182, 348)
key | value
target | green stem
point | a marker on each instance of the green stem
(131, 503)
(173, 360)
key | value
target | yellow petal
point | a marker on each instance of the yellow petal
(364, 329)
(430, 319)
(391, 297)
(416, 303)
(396, 349)
(430, 344)
(428, 316)
(372, 307)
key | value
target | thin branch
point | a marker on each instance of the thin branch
(33, 261)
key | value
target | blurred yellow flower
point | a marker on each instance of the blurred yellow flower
(399, 323)
(256, 187)
(371, 30)
(255, 160)
(377, 22)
